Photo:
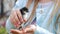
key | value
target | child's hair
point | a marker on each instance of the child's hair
(30, 2)
(54, 12)
(33, 10)
(33, 13)
(57, 23)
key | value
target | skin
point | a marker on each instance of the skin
(16, 19)
(27, 30)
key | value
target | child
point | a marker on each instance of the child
(44, 10)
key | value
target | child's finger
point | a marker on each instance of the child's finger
(14, 31)
(30, 28)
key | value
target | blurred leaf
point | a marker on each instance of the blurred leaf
(3, 30)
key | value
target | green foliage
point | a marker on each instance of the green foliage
(3, 30)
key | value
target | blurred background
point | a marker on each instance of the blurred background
(5, 9)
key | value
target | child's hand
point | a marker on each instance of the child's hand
(16, 18)
(28, 30)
